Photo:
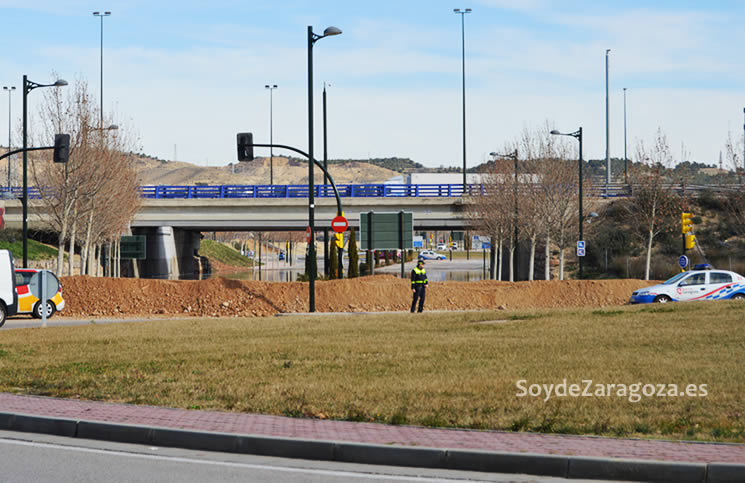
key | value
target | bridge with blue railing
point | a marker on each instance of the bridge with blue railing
(376, 190)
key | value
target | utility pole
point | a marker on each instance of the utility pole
(607, 128)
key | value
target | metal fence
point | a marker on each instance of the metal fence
(357, 191)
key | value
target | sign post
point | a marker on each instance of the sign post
(581, 248)
(44, 286)
(683, 262)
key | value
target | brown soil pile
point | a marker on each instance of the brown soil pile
(220, 297)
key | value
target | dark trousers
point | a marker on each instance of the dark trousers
(419, 293)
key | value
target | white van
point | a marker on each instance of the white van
(8, 295)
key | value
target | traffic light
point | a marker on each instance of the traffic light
(245, 146)
(686, 223)
(61, 148)
(690, 241)
(339, 239)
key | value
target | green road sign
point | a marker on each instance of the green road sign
(133, 247)
(390, 231)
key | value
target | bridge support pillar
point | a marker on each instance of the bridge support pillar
(171, 253)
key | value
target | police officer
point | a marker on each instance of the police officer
(418, 285)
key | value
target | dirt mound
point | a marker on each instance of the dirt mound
(220, 297)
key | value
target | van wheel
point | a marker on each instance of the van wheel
(738, 296)
(38, 308)
(3, 315)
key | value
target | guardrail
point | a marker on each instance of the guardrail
(353, 191)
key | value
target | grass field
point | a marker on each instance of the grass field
(36, 250)
(446, 369)
(223, 253)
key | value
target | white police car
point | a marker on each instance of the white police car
(694, 285)
(430, 255)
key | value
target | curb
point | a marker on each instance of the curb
(562, 466)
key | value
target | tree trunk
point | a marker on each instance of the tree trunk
(561, 263)
(61, 248)
(531, 258)
(493, 259)
(499, 265)
(547, 254)
(98, 259)
(512, 261)
(73, 229)
(649, 255)
(85, 252)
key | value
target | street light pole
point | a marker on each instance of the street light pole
(463, 70)
(28, 86)
(607, 128)
(625, 156)
(325, 182)
(10, 164)
(312, 39)
(578, 136)
(271, 132)
(101, 16)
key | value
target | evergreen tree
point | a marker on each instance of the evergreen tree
(308, 261)
(333, 260)
(354, 262)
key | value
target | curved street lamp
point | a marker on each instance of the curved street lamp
(312, 39)
(578, 136)
(29, 86)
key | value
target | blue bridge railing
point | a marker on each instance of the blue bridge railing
(301, 191)
(345, 190)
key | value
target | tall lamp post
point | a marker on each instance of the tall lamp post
(101, 16)
(463, 70)
(29, 86)
(625, 157)
(271, 132)
(578, 136)
(9, 89)
(513, 156)
(312, 39)
(607, 128)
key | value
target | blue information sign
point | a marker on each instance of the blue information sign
(683, 261)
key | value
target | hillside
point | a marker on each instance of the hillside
(286, 171)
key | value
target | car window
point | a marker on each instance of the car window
(23, 278)
(675, 278)
(719, 277)
(695, 279)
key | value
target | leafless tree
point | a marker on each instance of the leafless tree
(654, 204)
(95, 194)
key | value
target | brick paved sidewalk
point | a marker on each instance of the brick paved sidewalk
(278, 426)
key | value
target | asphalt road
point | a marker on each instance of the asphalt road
(42, 458)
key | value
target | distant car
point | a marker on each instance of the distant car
(28, 303)
(442, 246)
(706, 284)
(430, 255)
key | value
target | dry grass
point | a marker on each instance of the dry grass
(430, 369)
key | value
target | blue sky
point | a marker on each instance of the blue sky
(185, 77)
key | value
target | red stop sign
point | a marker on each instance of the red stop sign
(339, 224)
